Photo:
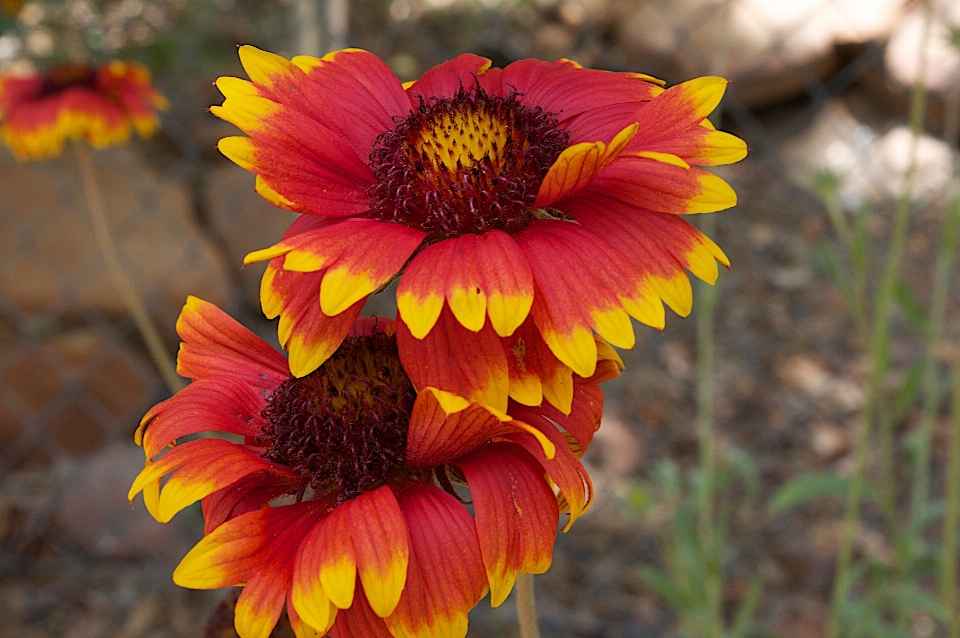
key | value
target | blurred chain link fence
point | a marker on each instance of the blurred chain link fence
(817, 85)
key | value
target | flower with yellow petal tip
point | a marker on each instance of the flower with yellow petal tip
(98, 105)
(541, 191)
(342, 494)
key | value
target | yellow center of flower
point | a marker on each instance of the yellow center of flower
(343, 428)
(465, 164)
(459, 140)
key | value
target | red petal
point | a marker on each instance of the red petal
(381, 546)
(568, 91)
(577, 289)
(198, 469)
(267, 588)
(248, 494)
(451, 358)
(309, 335)
(564, 468)
(221, 404)
(214, 344)
(437, 436)
(359, 96)
(359, 621)
(444, 80)
(315, 184)
(445, 579)
(661, 186)
(535, 372)
(584, 417)
(516, 513)
(235, 551)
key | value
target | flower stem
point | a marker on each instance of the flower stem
(101, 230)
(948, 577)
(932, 390)
(879, 342)
(527, 607)
(708, 456)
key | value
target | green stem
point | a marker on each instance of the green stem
(101, 231)
(931, 369)
(938, 302)
(948, 577)
(879, 341)
(835, 213)
(707, 299)
(526, 607)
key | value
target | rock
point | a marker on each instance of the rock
(55, 266)
(902, 56)
(94, 513)
(615, 448)
(805, 374)
(838, 151)
(69, 392)
(829, 441)
(755, 43)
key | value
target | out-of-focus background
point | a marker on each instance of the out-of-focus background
(820, 89)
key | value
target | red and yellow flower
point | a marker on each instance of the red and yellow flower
(342, 495)
(542, 192)
(77, 102)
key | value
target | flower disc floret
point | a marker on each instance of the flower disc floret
(468, 163)
(343, 428)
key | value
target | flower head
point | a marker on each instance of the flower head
(79, 102)
(541, 192)
(345, 497)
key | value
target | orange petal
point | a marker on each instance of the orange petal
(578, 165)
(516, 514)
(381, 547)
(446, 577)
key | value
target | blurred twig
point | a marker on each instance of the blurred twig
(101, 230)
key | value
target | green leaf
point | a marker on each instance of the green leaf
(911, 308)
(806, 487)
(666, 589)
(639, 498)
(915, 599)
(906, 394)
(747, 609)
(861, 242)
(834, 262)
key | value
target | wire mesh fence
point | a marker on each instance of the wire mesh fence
(818, 87)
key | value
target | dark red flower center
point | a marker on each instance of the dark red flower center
(65, 76)
(343, 427)
(464, 164)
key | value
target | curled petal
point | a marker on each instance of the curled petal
(516, 514)
(309, 335)
(216, 344)
(199, 468)
(222, 404)
(579, 164)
